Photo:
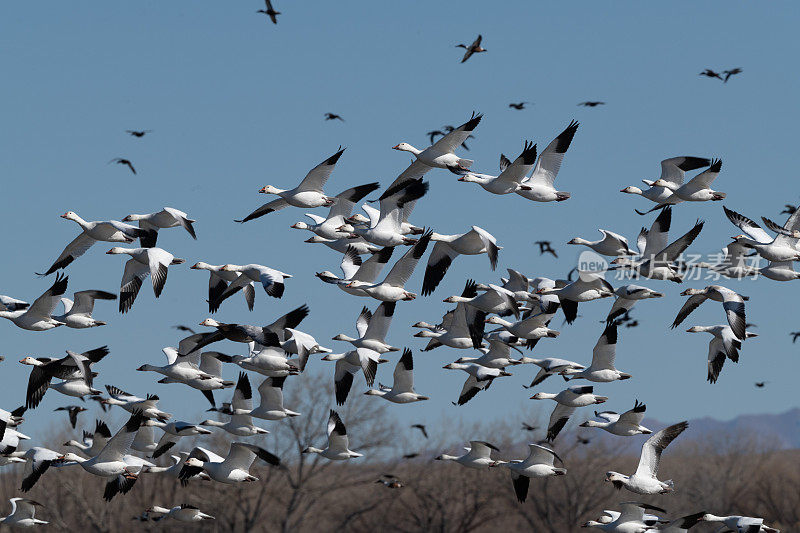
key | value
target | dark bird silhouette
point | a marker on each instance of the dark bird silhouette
(519, 106)
(73, 411)
(546, 248)
(474, 48)
(390, 481)
(711, 74)
(270, 12)
(138, 133)
(748, 325)
(632, 324)
(731, 72)
(435, 133)
(121, 161)
(421, 428)
(528, 427)
(592, 103)
(181, 327)
(794, 335)
(333, 116)
(760, 384)
(410, 455)
(583, 440)
(789, 209)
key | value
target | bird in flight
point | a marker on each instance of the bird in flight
(789, 209)
(583, 440)
(187, 329)
(711, 74)
(760, 384)
(421, 428)
(474, 48)
(518, 106)
(410, 455)
(528, 427)
(592, 103)
(333, 116)
(794, 335)
(270, 12)
(546, 248)
(731, 72)
(138, 133)
(121, 161)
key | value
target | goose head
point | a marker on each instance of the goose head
(70, 457)
(132, 218)
(660, 182)
(31, 361)
(469, 178)
(269, 189)
(193, 461)
(200, 266)
(692, 292)
(230, 268)
(327, 275)
(577, 240)
(299, 225)
(70, 215)
(631, 190)
(404, 147)
(358, 218)
(616, 478)
(210, 322)
(116, 250)
(696, 329)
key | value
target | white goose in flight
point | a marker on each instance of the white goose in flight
(402, 389)
(550, 366)
(168, 217)
(354, 269)
(235, 468)
(23, 514)
(602, 369)
(143, 262)
(626, 424)
(347, 365)
(539, 187)
(478, 455)
(440, 154)
(575, 396)
(271, 405)
(307, 194)
(698, 189)
(644, 480)
(38, 316)
(182, 513)
(109, 231)
(480, 378)
(241, 421)
(612, 244)
(539, 463)
(781, 248)
(372, 329)
(78, 313)
(627, 296)
(328, 227)
(631, 519)
(218, 281)
(589, 286)
(723, 345)
(338, 448)
(448, 247)
(511, 174)
(732, 303)
(673, 171)
(272, 280)
(740, 524)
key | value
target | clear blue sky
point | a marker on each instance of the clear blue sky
(236, 103)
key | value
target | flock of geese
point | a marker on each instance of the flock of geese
(521, 307)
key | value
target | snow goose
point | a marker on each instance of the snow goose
(241, 422)
(576, 396)
(72, 411)
(440, 154)
(732, 302)
(93, 443)
(307, 194)
(38, 317)
(143, 262)
(23, 513)
(740, 524)
(609, 516)
(338, 441)
(630, 520)
(109, 231)
(271, 406)
(269, 335)
(386, 226)
(539, 186)
(539, 463)
(612, 244)
(781, 248)
(602, 369)
(497, 355)
(78, 314)
(218, 281)
(182, 513)
(391, 289)
(644, 480)
(532, 328)
(121, 470)
(589, 286)
(627, 296)
(168, 217)
(550, 366)
(494, 300)
(724, 344)
(511, 175)
(448, 247)
(145, 439)
(272, 280)
(327, 227)
(372, 329)
(7, 303)
(478, 455)
(270, 361)
(132, 403)
(673, 171)
(177, 368)
(779, 271)
(658, 258)
(235, 468)
(10, 439)
(347, 365)
(402, 389)
(454, 330)
(174, 431)
(480, 378)
(37, 461)
(698, 189)
(354, 269)
(626, 424)
(13, 418)
(361, 246)
(73, 366)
